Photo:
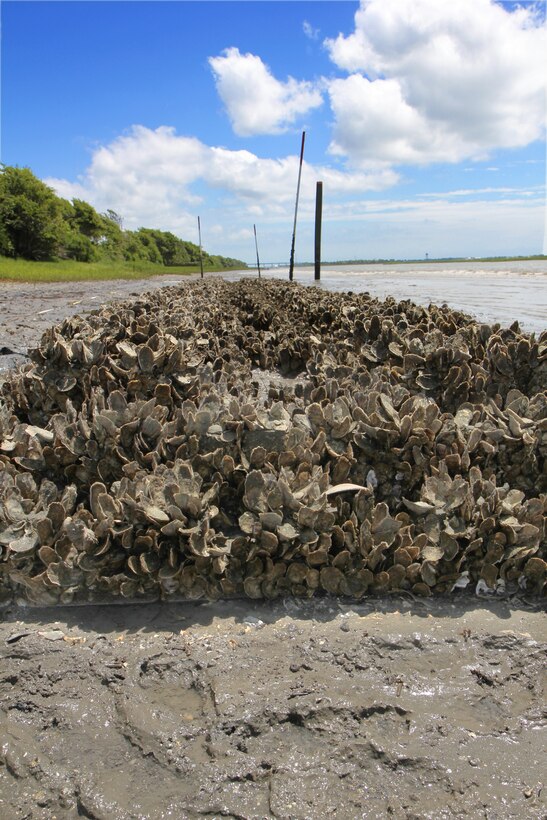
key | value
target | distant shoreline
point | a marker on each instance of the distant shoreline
(432, 261)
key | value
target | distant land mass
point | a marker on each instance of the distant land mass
(428, 261)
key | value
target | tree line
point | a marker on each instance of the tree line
(37, 224)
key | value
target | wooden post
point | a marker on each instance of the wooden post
(318, 218)
(200, 253)
(291, 264)
(257, 257)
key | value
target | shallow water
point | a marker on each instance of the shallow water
(491, 291)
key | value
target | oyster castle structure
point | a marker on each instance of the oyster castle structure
(262, 439)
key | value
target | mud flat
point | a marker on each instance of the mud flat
(286, 710)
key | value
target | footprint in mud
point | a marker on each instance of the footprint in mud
(163, 712)
(172, 686)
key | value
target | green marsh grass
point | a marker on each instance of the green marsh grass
(68, 270)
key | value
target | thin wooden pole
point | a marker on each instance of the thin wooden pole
(291, 264)
(200, 253)
(257, 256)
(318, 218)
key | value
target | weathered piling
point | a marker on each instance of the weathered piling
(318, 218)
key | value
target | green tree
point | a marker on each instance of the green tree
(6, 248)
(193, 252)
(141, 245)
(31, 215)
(112, 216)
(86, 220)
(172, 249)
(76, 245)
(111, 242)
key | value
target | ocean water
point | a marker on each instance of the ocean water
(491, 291)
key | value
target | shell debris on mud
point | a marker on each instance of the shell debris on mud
(262, 439)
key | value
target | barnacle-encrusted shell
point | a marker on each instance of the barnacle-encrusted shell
(263, 439)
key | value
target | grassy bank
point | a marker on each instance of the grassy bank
(68, 270)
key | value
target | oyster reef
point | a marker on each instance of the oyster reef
(263, 439)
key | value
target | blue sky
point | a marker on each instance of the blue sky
(425, 120)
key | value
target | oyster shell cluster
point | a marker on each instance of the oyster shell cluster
(264, 439)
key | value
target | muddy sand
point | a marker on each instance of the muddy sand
(297, 710)
(388, 708)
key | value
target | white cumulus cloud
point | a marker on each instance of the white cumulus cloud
(144, 175)
(256, 102)
(434, 81)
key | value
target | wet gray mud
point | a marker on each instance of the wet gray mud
(287, 710)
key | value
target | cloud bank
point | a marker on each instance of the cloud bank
(425, 82)
(153, 177)
(437, 82)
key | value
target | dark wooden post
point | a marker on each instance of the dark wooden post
(318, 218)
(200, 253)
(291, 264)
(257, 256)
